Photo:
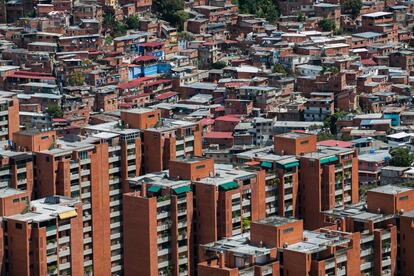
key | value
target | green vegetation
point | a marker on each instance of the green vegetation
(54, 111)
(330, 121)
(401, 157)
(184, 35)
(327, 25)
(364, 188)
(279, 68)
(262, 8)
(301, 17)
(330, 69)
(116, 27)
(76, 79)
(353, 7)
(219, 64)
(108, 40)
(246, 223)
(324, 135)
(171, 11)
(132, 22)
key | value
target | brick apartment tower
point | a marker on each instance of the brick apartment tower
(328, 175)
(158, 230)
(44, 241)
(95, 172)
(227, 201)
(167, 143)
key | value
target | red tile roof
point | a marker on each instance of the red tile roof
(206, 121)
(134, 83)
(166, 95)
(151, 44)
(229, 118)
(28, 75)
(218, 135)
(157, 82)
(145, 58)
(368, 62)
(336, 143)
(130, 98)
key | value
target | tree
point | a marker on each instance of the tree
(267, 9)
(184, 35)
(116, 28)
(301, 17)
(331, 120)
(76, 79)
(322, 136)
(279, 68)
(179, 18)
(132, 22)
(353, 6)
(54, 111)
(401, 157)
(327, 25)
(108, 40)
(219, 64)
(171, 11)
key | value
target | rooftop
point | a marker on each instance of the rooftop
(48, 208)
(391, 189)
(276, 221)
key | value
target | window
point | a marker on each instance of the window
(19, 226)
(288, 230)
(304, 142)
(404, 198)
(16, 200)
(200, 167)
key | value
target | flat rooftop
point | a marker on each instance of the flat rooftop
(239, 245)
(391, 189)
(160, 179)
(323, 152)
(47, 208)
(7, 192)
(357, 212)
(276, 221)
(316, 242)
(225, 174)
(294, 135)
(139, 110)
(111, 127)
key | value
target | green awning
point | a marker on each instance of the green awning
(154, 189)
(291, 165)
(228, 186)
(182, 190)
(266, 164)
(329, 159)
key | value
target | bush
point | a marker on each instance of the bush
(401, 157)
(327, 25)
(219, 64)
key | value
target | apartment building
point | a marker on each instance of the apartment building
(93, 167)
(237, 256)
(169, 140)
(45, 240)
(279, 246)
(281, 180)
(228, 188)
(328, 175)
(16, 170)
(382, 225)
(158, 229)
(9, 115)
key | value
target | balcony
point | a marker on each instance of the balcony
(163, 215)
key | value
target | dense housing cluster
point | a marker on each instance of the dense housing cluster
(206, 137)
